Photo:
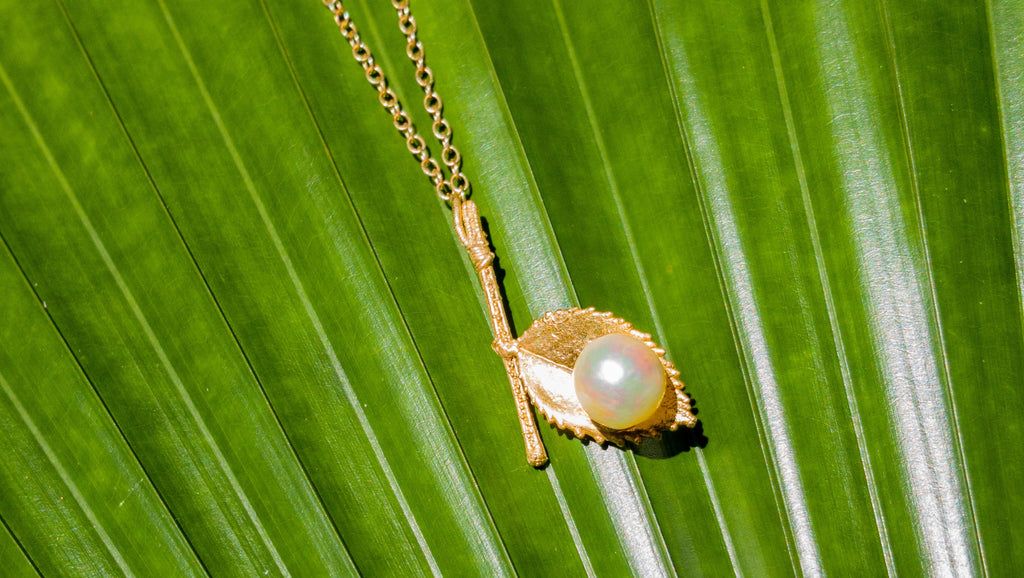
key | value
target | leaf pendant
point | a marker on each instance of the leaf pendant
(541, 363)
(548, 351)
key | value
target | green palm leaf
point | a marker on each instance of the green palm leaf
(238, 335)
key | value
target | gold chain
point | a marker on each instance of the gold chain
(458, 184)
(465, 216)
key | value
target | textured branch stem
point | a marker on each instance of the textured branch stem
(471, 234)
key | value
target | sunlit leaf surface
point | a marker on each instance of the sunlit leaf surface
(238, 335)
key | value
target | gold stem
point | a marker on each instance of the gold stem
(471, 234)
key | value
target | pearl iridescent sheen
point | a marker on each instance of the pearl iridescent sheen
(619, 381)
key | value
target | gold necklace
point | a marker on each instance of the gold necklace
(587, 371)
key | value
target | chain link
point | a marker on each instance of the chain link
(458, 184)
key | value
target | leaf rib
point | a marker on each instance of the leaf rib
(1010, 135)
(823, 277)
(50, 454)
(380, 269)
(563, 505)
(716, 246)
(202, 276)
(1009, 104)
(899, 327)
(935, 310)
(103, 404)
(304, 298)
(1015, 192)
(764, 385)
(144, 324)
(705, 470)
(1013, 169)
(654, 547)
(83, 504)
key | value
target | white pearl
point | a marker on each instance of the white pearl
(619, 381)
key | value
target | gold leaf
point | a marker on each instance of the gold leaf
(547, 354)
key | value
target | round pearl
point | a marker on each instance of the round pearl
(619, 380)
